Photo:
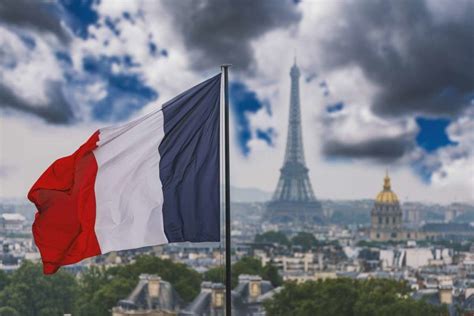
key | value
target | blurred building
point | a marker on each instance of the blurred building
(151, 297)
(412, 217)
(11, 222)
(386, 215)
(247, 298)
(453, 231)
(451, 215)
(210, 301)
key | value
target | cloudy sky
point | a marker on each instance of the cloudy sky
(385, 84)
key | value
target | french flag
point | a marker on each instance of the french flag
(148, 182)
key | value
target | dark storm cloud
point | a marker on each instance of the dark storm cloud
(221, 31)
(422, 62)
(382, 149)
(57, 111)
(35, 15)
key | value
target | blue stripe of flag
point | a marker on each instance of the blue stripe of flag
(189, 164)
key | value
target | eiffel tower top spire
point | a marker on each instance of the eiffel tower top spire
(294, 142)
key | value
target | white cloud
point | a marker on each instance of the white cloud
(34, 68)
(457, 162)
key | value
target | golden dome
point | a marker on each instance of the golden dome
(386, 195)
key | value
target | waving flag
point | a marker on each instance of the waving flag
(148, 182)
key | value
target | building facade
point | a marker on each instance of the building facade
(12, 222)
(386, 215)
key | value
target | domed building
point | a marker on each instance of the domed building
(387, 221)
(386, 216)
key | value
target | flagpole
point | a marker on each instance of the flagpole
(228, 249)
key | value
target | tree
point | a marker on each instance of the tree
(272, 237)
(107, 296)
(90, 282)
(101, 289)
(186, 281)
(270, 273)
(8, 311)
(30, 292)
(305, 240)
(215, 275)
(247, 265)
(347, 297)
(3, 280)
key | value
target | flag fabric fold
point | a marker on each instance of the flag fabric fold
(152, 181)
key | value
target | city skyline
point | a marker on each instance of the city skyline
(102, 68)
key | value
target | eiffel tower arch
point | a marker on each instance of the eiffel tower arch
(294, 201)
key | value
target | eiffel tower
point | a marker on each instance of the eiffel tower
(293, 201)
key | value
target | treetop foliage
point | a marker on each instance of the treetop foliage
(348, 297)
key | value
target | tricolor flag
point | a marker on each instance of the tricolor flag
(148, 182)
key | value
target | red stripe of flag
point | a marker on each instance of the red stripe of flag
(64, 196)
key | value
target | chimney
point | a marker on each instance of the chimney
(445, 290)
(255, 286)
(217, 295)
(446, 296)
(153, 282)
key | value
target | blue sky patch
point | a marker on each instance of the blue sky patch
(154, 51)
(28, 41)
(245, 101)
(63, 57)
(267, 135)
(310, 77)
(424, 170)
(128, 17)
(432, 133)
(80, 14)
(129, 62)
(336, 107)
(152, 48)
(126, 92)
(112, 26)
(324, 88)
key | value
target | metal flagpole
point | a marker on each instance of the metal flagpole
(228, 250)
